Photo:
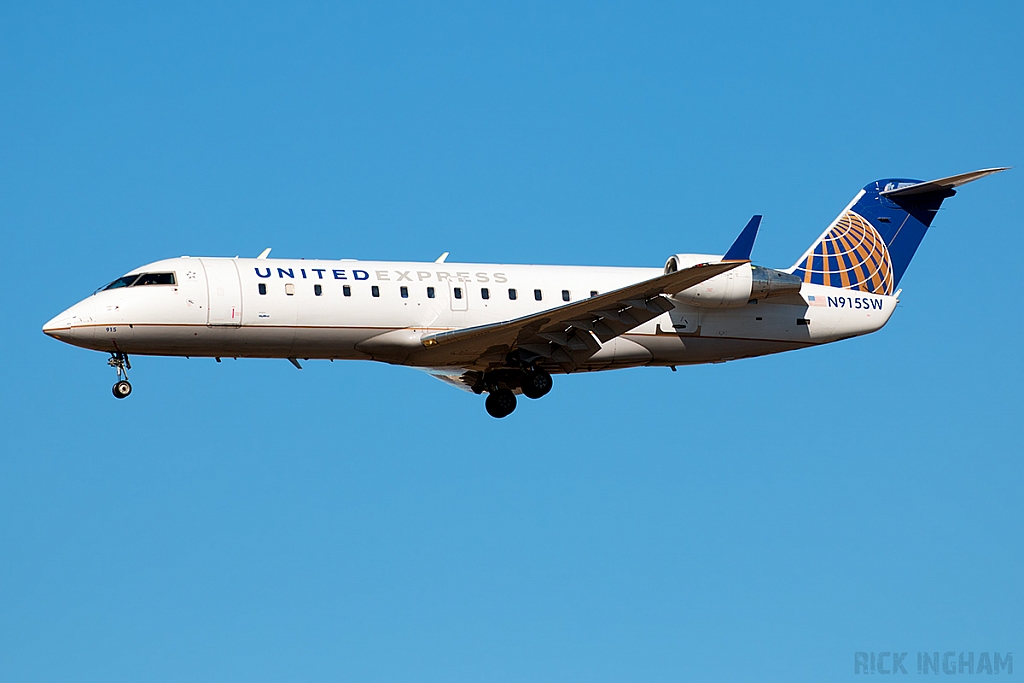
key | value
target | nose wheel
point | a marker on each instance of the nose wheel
(119, 361)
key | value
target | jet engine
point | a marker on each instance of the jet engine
(739, 286)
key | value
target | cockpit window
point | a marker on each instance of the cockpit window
(122, 282)
(138, 280)
(154, 279)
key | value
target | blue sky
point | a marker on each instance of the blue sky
(763, 519)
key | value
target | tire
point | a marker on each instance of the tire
(122, 389)
(500, 403)
(536, 383)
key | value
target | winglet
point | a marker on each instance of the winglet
(744, 244)
(441, 258)
(264, 254)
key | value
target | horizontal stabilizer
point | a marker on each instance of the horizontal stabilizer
(744, 244)
(941, 184)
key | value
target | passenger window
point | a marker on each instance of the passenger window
(430, 292)
(346, 290)
(263, 288)
(289, 289)
(485, 293)
(565, 295)
(405, 292)
(458, 292)
(537, 295)
(512, 295)
(593, 292)
(154, 279)
(375, 290)
(318, 290)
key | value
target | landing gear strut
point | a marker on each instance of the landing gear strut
(119, 361)
(500, 403)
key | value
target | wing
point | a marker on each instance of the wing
(568, 335)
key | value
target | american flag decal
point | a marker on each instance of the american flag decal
(813, 300)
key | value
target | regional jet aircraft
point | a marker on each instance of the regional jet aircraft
(504, 330)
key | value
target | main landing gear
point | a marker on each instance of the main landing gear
(501, 400)
(500, 403)
(119, 361)
(536, 383)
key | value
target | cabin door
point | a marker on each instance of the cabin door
(225, 292)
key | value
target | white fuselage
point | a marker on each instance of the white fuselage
(216, 309)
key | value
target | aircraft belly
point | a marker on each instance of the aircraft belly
(727, 334)
(256, 341)
(619, 352)
(765, 321)
(331, 342)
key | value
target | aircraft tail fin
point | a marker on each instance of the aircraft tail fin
(870, 244)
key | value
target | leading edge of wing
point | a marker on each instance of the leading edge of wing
(595, 313)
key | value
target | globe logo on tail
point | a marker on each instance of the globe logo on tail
(851, 255)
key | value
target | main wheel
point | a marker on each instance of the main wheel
(122, 389)
(500, 403)
(536, 383)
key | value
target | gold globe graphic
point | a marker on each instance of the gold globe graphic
(852, 255)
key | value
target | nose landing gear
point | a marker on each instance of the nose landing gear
(119, 361)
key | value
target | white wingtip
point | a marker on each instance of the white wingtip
(441, 258)
(264, 254)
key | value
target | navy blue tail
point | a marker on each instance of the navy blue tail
(870, 244)
(869, 247)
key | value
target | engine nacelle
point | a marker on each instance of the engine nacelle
(736, 287)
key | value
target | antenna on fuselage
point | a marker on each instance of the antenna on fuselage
(264, 254)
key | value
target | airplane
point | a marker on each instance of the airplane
(504, 330)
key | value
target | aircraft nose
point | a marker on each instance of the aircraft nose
(59, 326)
